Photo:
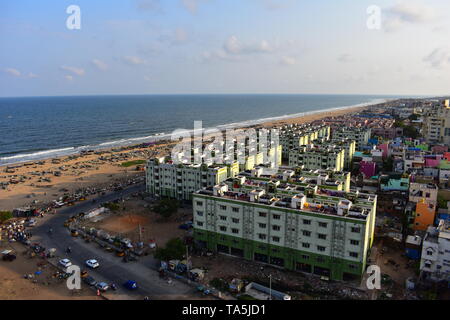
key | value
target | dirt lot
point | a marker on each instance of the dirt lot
(126, 222)
(298, 285)
(13, 285)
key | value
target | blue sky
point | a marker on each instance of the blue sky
(224, 46)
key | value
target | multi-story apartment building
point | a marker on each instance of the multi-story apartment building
(179, 181)
(327, 157)
(288, 181)
(294, 136)
(436, 126)
(349, 147)
(360, 135)
(426, 192)
(435, 260)
(319, 233)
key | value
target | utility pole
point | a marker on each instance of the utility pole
(270, 287)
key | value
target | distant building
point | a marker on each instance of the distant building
(419, 192)
(437, 124)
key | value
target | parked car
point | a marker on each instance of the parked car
(65, 263)
(92, 263)
(90, 281)
(102, 286)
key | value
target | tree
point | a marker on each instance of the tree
(174, 249)
(410, 132)
(166, 207)
(413, 117)
(5, 215)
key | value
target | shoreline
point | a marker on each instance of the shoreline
(39, 182)
(161, 137)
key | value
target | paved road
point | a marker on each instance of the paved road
(112, 269)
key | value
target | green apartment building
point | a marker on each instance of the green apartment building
(323, 233)
(360, 135)
(293, 136)
(164, 179)
(329, 157)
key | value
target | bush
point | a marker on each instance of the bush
(5, 215)
(132, 163)
(166, 207)
(175, 249)
(112, 206)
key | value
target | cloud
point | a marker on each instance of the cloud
(288, 61)
(408, 13)
(100, 65)
(233, 46)
(176, 37)
(31, 75)
(74, 70)
(438, 58)
(147, 78)
(192, 5)
(68, 78)
(13, 72)
(148, 5)
(345, 57)
(133, 60)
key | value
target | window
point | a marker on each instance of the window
(199, 223)
(306, 221)
(235, 230)
(322, 236)
(429, 253)
(235, 209)
(305, 245)
(199, 203)
(276, 217)
(262, 225)
(223, 207)
(276, 228)
(356, 229)
(223, 218)
(235, 220)
(323, 224)
(354, 242)
(276, 239)
(306, 233)
(223, 229)
(262, 236)
(352, 266)
(305, 257)
(321, 248)
(200, 213)
(263, 214)
(353, 254)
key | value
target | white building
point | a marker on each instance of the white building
(435, 261)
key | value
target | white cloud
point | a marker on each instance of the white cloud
(438, 58)
(288, 61)
(345, 57)
(233, 46)
(68, 78)
(176, 37)
(133, 60)
(192, 5)
(147, 78)
(148, 5)
(100, 65)
(74, 70)
(408, 13)
(13, 72)
(31, 75)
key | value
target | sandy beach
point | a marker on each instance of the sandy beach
(46, 180)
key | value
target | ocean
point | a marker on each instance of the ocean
(35, 128)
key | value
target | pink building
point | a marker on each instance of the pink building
(367, 168)
(384, 147)
(439, 149)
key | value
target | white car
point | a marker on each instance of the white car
(92, 263)
(65, 263)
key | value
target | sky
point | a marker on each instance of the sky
(225, 47)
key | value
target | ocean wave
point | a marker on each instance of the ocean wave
(46, 154)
